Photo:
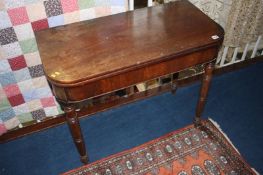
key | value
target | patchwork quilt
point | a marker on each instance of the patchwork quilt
(24, 92)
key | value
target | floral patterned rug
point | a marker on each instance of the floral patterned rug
(192, 150)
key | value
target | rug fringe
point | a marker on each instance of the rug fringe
(219, 128)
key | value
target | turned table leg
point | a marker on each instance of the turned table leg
(204, 91)
(74, 126)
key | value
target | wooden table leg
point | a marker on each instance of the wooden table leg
(204, 91)
(74, 126)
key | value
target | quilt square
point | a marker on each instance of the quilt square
(2, 5)
(7, 36)
(36, 11)
(4, 66)
(87, 14)
(16, 100)
(69, 5)
(13, 3)
(34, 105)
(53, 8)
(7, 114)
(7, 79)
(38, 114)
(11, 90)
(36, 71)
(17, 62)
(40, 82)
(102, 11)
(11, 50)
(32, 59)
(117, 3)
(25, 85)
(4, 104)
(84, 4)
(24, 31)
(2, 93)
(48, 102)
(100, 3)
(25, 117)
(21, 109)
(31, 1)
(5, 21)
(2, 129)
(71, 17)
(40, 25)
(51, 111)
(18, 16)
(56, 21)
(116, 9)
(12, 123)
(22, 75)
(28, 46)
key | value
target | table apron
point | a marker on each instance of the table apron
(132, 77)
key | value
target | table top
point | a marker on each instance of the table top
(91, 49)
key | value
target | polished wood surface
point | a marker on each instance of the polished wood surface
(92, 58)
(120, 43)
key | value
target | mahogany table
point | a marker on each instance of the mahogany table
(90, 58)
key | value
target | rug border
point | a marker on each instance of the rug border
(214, 123)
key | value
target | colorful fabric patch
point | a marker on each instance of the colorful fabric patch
(28, 46)
(36, 71)
(102, 11)
(22, 75)
(21, 109)
(25, 117)
(48, 102)
(7, 78)
(84, 4)
(32, 59)
(34, 105)
(53, 8)
(69, 5)
(7, 114)
(36, 11)
(11, 50)
(13, 3)
(16, 100)
(71, 17)
(24, 31)
(87, 14)
(18, 15)
(11, 90)
(4, 104)
(17, 63)
(25, 85)
(12, 123)
(40, 25)
(4, 66)
(2, 129)
(51, 111)
(56, 21)
(38, 114)
(5, 21)
(7, 36)
(40, 82)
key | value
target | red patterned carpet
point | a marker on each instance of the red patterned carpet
(192, 150)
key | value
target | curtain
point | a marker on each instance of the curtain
(244, 23)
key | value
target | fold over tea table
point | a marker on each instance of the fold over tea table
(91, 58)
